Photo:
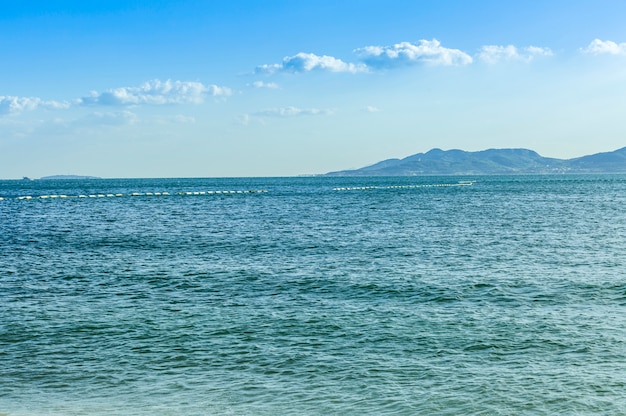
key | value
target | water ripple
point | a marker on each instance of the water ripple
(504, 297)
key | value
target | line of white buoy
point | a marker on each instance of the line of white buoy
(367, 188)
(135, 194)
(231, 192)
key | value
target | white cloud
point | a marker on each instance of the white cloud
(404, 53)
(292, 112)
(305, 62)
(157, 92)
(261, 84)
(15, 105)
(538, 51)
(598, 47)
(407, 53)
(372, 109)
(493, 54)
(11, 104)
(183, 119)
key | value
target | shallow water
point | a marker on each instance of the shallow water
(506, 296)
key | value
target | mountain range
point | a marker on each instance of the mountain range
(490, 162)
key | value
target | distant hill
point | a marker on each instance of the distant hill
(490, 162)
(63, 177)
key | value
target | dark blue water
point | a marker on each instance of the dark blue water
(503, 296)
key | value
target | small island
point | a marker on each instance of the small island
(66, 177)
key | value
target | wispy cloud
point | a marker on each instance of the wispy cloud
(261, 84)
(598, 47)
(87, 125)
(15, 105)
(306, 62)
(118, 118)
(243, 120)
(371, 109)
(406, 53)
(260, 117)
(292, 112)
(157, 92)
(182, 119)
(492, 54)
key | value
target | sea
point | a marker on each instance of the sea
(481, 295)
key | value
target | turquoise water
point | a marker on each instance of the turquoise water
(386, 296)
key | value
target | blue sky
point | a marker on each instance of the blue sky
(279, 88)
